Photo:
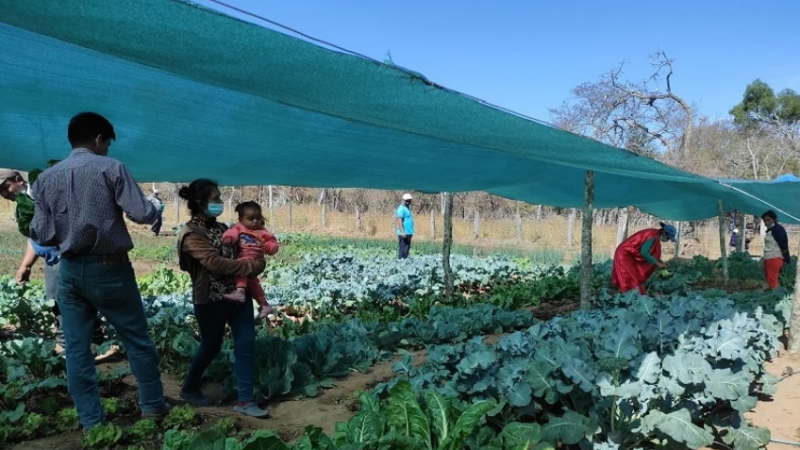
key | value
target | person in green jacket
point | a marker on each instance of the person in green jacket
(15, 188)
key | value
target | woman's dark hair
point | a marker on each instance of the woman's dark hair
(197, 193)
(242, 207)
(771, 214)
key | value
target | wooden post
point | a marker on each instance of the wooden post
(177, 204)
(622, 225)
(271, 208)
(449, 279)
(358, 219)
(794, 322)
(723, 245)
(679, 231)
(570, 227)
(587, 271)
(518, 218)
(476, 230)
(433, 224)
(291, 215)
(741, 239)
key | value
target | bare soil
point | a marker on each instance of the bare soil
(780, 414)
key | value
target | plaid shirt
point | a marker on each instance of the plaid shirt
(80, 202)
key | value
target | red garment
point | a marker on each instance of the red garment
(630, 269)
(253, 244)
(253, 285)
(772, 270)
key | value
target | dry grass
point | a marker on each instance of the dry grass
(549, 233)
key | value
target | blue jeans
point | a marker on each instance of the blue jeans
(88, 285)
(211, 320)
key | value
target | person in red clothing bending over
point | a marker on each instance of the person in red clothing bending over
(639, 256)
(254, 242)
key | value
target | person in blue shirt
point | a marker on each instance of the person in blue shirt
(405, 227)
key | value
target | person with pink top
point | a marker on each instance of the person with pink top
(254, 241)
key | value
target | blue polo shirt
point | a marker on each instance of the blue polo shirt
(408, 220)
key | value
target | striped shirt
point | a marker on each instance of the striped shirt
(80, 202)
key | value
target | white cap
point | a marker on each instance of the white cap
(155, 191)
(407, 197)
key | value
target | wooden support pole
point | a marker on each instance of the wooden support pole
(433, 224)
(587, 271)
(449, 279)
(679, 232)
(723, 247)
(518, 218)
(741, 239)
(794, 321)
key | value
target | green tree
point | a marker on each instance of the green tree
(761, 107)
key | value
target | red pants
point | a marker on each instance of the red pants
(772, 269)
(253, 285)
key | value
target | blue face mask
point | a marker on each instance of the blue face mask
(215, 209)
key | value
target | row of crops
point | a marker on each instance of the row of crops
(678, 369)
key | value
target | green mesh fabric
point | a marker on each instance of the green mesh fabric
(194, 93)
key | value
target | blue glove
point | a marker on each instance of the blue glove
(50, 255)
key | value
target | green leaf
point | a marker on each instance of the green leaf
(650, 368)
(397, 441)
(746, 438)
(517, 434)
(314, 439)
(519, 394)
(679, 427)
(579, 372)
(405, 415)
(568, 429)
(439, 411)
(264, 440)
(466, 424)
(365, 428)
(212, 439)
(726, 385)
(369, 402)
(688, 368)
(538, 376)
(744, 404)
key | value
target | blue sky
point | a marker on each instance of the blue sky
(528, 55)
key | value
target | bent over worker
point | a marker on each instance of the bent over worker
(638, 257)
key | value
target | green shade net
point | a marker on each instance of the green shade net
(194, 93)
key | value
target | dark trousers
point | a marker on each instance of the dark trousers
(156, 228)
(404, 246)
(211, 320)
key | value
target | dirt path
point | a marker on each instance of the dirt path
(781, 414)
(287, 418)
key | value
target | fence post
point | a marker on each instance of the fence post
(571, 227)
(587, 271)
(622, 225)
(447, 245)
(741, 241)
(433, 224)
(723, 247)
(518, 218)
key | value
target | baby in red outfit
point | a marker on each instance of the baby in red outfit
(254, 242)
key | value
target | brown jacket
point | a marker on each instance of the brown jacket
(211, 273)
